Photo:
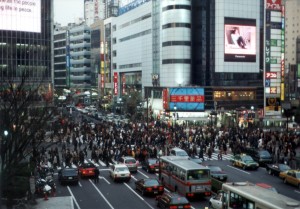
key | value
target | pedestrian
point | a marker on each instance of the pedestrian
(96, 175)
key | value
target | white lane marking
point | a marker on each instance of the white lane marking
(167, 190)
(101, 194)
(133, 177)
(76, 203)
(239, 169)
(102, 163)
(102, 177)
(104, 169)
(143, 174)
(85, 161)
(192, 207)
(138, 195)
(297, 191)
(79, 184)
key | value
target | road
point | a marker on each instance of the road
(110, 195)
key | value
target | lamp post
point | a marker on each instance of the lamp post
(175, 114)
(159, 164)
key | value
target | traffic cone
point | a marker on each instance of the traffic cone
(46, 196)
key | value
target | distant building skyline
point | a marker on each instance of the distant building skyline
(68, 11)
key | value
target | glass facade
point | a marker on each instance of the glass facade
(221, 84)
(28, 53)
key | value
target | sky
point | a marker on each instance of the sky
(67, 11)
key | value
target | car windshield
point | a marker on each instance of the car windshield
(179, 200)
(247, 158)
(197, 174)
(152, 161)
(182, 153)
(130, 161)
(284, 167)
(215, 168)
(88, 165)
(264, 153)
(151, 182)
(69, 172)
(121, 169)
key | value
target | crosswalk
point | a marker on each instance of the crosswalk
(100, 163)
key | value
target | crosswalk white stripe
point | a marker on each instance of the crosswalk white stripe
(102, 163)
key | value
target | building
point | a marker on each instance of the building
(79, 45)
(61, 80)
(93, 10)
(25, 45)
(182, 44)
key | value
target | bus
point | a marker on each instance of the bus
(245, 195)
(185, 176)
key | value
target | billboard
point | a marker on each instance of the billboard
(20, 15)
(186, 99)
(240, 40)
(115, 83)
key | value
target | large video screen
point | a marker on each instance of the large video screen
(20, 15)
(240, 40)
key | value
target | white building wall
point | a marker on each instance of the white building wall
(135, 50)
(175, 74)
(248, 9)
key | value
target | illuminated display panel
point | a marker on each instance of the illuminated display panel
(240, 40)
(186, 99)
(20, 15)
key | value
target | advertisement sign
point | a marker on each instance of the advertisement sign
(165, 96)
(186, 99)
(115, 83)
(20, 15)
(271, 75)
(273, 4)
(273, 103)
(240, 40)
(123, 83)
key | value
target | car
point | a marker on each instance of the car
(151, 165)
(172, 200)
(276, 168)
(291, 177)
(130, 162)
(196, 159)
(263, 157)
(179, 152)
(149, 186)
(68, 175)
(119, 172)
(87, 170)
(217, 173)
(244, 161)
(267, 186)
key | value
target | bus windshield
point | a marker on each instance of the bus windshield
(197, 174)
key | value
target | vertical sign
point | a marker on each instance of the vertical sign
(165, 97)
(123, 83)
(115, 83)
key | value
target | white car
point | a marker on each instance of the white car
(119, 172)
(216, 201)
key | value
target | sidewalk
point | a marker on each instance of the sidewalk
(51, 203)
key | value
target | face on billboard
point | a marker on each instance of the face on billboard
(240, 40)
(21, 15)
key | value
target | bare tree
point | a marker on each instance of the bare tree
(25, 109)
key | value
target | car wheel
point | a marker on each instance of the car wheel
(244, 167)
(270, 172)
(285, 181)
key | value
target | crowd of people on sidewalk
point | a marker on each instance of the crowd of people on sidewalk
(107, 141)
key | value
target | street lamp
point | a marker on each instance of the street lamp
(175, 114)
(159, 164)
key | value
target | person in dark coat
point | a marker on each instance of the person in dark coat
(96, 173)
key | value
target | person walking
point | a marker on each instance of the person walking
(96, 175)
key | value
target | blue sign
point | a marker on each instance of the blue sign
(187, 99)
(267, 82)
(131, 6)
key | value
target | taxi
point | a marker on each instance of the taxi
(244, 161)
(291, 177)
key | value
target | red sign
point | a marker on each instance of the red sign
(273, 4)
(187, 98)
(282, 69)
(165, 99)
(123, 84)
(271, 75)
(115, 83)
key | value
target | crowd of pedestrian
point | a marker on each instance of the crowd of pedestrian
(108, 141)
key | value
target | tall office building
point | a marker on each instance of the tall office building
(25, 43)
(94, 10)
